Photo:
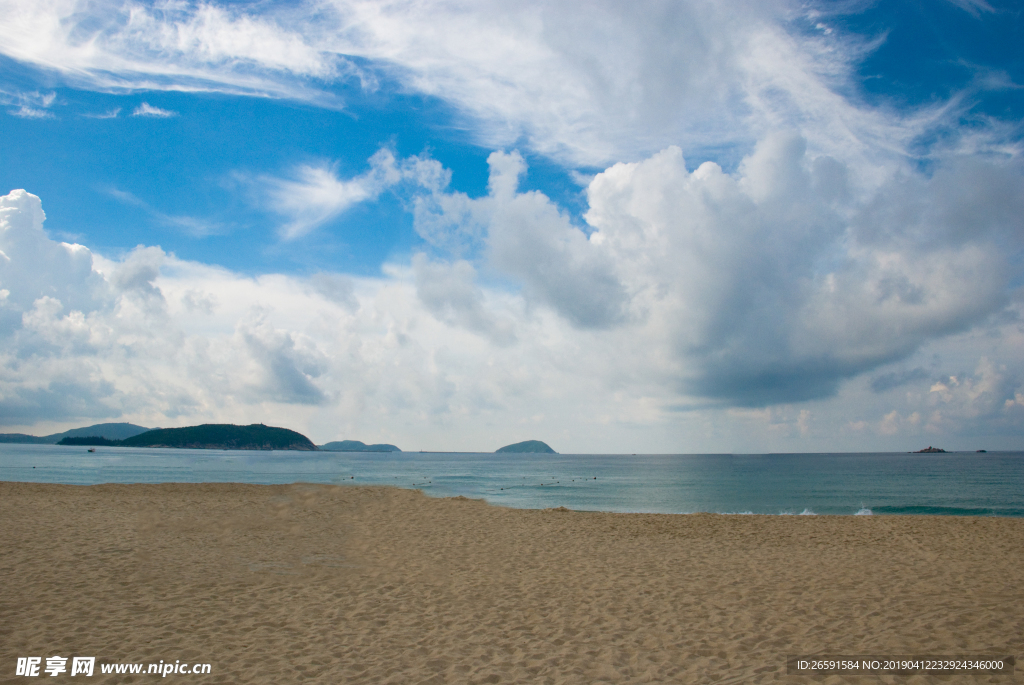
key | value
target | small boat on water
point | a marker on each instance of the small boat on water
(92, 449)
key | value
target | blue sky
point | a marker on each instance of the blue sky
(698, 227)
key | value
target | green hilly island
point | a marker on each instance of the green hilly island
(212, 436)
(528, 447)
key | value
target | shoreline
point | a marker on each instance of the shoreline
(554, 455)
(861, 513)
(278, 583)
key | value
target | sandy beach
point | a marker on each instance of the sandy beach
(335, 584)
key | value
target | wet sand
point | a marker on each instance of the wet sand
(335, 584)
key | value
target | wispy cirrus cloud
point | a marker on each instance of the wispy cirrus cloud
(25, 112)
(126, 45)
(974, 7)
(312, 195)
(615, 84)
(29, 105)
(109, 114)
(189, 224)
(148, 110)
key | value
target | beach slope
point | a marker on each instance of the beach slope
(334, 584)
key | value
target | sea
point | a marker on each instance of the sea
(953, 484)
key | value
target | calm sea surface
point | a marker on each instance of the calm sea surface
(972, 484)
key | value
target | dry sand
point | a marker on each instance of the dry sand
(282, 584)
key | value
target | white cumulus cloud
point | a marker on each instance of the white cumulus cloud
(444, 354)
(769, 285)
(815, 261)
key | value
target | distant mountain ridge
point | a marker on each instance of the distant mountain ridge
(110, 431)
(211, 436)
(527, 447)
(23, 439)
(357, 446)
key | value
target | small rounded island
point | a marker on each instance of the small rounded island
(528, 447)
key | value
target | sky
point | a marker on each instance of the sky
(668, 227)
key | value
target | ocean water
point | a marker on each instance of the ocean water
(964, 484)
